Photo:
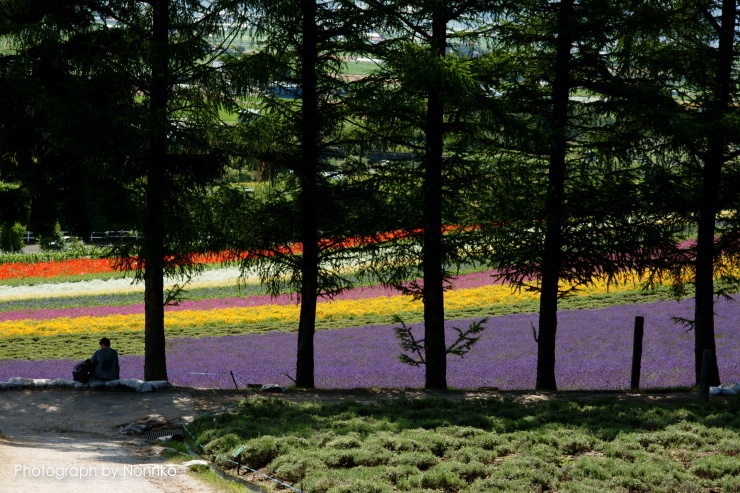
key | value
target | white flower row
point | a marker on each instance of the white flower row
(210, 277)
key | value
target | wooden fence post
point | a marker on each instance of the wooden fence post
(637, 352)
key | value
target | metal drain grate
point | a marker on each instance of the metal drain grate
(155, 434)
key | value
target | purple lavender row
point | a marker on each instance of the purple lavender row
(464, 281)
(594, 353)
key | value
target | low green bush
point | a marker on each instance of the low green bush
(221, 444)
(421, 460)
(11, 237)
(258, 452)
(716, 466)
(435, 479)
(396, 474)
(295, 465)
(53, 240)
(561, 445)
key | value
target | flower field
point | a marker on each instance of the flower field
(239, 311)
(594, 345)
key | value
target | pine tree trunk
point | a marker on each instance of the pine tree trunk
(433, 293)
(155, 364)
(704, 282)
(308, 198)
(552, 249)
(709, 206)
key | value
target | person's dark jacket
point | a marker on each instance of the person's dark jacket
(107, 367)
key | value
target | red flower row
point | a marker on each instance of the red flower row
(71, 267)
(18, 270)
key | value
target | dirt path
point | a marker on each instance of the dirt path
(57, 439)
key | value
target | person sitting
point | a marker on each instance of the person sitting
(107, 367)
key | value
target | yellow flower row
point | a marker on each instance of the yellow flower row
(337, 309)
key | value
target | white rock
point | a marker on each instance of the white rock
(62, 382)
(21, 382)
(134, 428)
(197, 462)
(155, 420)
(723, 389)
(273, 388)
(160, 384)
(132, 383)
(44, 382)
(47, 383)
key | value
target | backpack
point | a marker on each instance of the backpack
(83, 370)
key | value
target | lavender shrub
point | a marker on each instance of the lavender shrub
(594, 353)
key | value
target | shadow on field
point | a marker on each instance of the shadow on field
(603, 414)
